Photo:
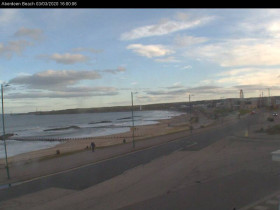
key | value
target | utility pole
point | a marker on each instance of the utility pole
(132, 117)
(3, 125)
(190, 113)
(269, 100)
(262, 100)
(190, 104)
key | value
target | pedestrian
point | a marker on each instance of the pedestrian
(124, 141)
(92, 146)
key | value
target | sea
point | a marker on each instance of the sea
(33, 132)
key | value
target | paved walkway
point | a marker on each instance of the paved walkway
(270, 202)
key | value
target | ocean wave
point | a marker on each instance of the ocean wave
(57, 127)
(100, 122)
(64, 128)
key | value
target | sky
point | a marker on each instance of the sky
(56, 59)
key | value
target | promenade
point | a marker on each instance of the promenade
(74, 153)
(233, 172)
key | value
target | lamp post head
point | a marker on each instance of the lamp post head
(5, 85)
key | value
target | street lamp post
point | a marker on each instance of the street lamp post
(3, 125)
(190, 112)
(190, 104)
(132, 117)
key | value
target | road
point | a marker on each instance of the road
(92, 174)
(227, 192)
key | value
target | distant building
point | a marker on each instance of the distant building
(241, 94)
(275, 102)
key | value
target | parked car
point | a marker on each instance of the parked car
(253, 112)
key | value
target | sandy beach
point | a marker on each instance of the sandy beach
(175, 124)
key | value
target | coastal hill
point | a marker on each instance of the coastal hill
(163, 106)
(176, 106)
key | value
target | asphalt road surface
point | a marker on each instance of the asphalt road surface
(226, 193)
(95, 173)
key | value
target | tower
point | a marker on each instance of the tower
(241, 94)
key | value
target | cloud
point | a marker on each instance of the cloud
(60, 84)
(57, 84)
(176, 85)
(241, 52)
(35, 34)
(169, 59)
(180, 90)
(260, 23)
(60, 80)
(86, 49)
(157, 98)
(168, 92)
(185, 41)
(66, 58)
(68, 92)
(204, 87)
(91, 89)
(13, 47)
(253, 87)
(150, 51)
(256, 41)
(54, 80)
(250, 76)
(238, 71)
(114, 71)
(273, 28)
(187, 67)
(7, 15)
(180, 93)
(166, 26)
(16, 47)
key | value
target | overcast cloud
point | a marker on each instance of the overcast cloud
(50, 79)
(61, 84)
